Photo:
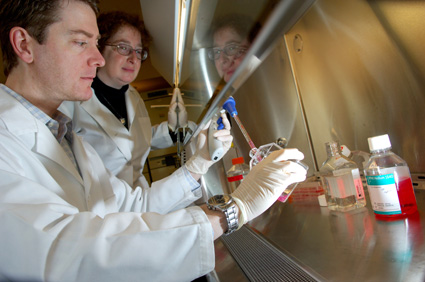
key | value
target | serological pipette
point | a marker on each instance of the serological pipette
(230, 107)
(258, 154)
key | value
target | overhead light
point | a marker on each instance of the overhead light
(181, 35)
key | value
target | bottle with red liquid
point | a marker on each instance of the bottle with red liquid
(388, 181)
(236, 173)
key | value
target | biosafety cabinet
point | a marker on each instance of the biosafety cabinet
(317, 71)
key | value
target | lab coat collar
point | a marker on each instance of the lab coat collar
(91, 178)
(34, 134)
(132, 98)
(118, 133)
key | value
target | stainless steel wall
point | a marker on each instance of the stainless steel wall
(348, 70)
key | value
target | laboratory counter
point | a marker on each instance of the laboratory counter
(322, 245)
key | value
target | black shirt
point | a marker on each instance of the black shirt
(112, 98)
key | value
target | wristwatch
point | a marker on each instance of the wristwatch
(227, 205)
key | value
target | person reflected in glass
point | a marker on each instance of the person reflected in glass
(232, 35)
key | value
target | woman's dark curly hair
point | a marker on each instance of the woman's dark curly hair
(110, 22)
(242, 24)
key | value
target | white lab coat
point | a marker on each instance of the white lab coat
(123, 151)
(59, 226)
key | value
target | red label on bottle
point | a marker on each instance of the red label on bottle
(234, 178)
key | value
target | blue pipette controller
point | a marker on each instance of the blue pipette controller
(215, 146)
(230, 106)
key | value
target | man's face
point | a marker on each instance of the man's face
(227, 65)
(65, 64)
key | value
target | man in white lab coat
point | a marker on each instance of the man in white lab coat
(63, 216)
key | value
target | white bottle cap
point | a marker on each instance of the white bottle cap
(379, 142)
(345, 151)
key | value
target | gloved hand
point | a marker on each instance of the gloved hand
(201, 160)
(177, 103)
(266, 182)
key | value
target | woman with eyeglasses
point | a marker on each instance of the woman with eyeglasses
(232, 35)
(115, 120)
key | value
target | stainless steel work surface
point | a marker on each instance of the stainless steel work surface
(352, 246)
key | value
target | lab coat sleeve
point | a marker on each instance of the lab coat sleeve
(168, 194)
(45, 237)
(165, 195)
(161, 137)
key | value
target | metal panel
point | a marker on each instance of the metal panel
(358, 74)
(159, 17)
(279, 20)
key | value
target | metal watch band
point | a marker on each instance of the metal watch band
(227, 205)
(232, 219)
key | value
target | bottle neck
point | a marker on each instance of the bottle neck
(333, 149)
(380, 151)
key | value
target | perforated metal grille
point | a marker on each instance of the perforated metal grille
(260, 260)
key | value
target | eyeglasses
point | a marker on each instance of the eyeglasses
(234, 50)
(127, 50)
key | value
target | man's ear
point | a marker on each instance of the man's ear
(21, 43)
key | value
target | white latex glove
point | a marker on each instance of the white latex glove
(266, 182)
(201, 160)
(177, 103)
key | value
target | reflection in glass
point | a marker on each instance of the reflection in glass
(201, 75)
(231, 50)
(231, 36)
(243, 33)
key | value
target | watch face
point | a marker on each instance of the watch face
(225, 204)
(219, 200)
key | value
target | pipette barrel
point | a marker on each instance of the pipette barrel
(244, 132)
(230, 107)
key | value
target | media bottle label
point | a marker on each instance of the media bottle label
(383, 194)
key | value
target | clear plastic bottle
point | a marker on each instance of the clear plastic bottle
(236, 173)
(359, 157)
(389, 181)
(341, 180)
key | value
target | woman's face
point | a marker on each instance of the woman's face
(226, 65)
(121, 70)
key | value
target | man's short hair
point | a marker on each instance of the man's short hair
(35, 16)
